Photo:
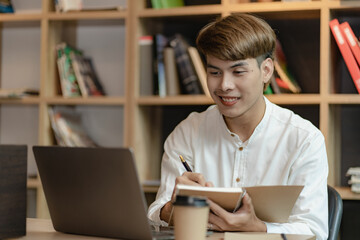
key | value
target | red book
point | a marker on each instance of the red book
(346, 52)
(351, 40)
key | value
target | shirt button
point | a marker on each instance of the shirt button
(233, 135)
(237, 179)
(241, 148)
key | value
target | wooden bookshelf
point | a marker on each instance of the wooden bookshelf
(132, 120)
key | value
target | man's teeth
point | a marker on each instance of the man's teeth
(228, 99)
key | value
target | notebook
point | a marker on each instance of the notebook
(95, 192)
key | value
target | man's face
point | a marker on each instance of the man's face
(237, 86)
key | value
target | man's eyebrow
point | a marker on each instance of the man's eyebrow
(238, 64)
(211, 66)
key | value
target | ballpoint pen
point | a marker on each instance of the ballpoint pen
(185, 164)
(283, 236)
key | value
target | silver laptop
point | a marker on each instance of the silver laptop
(94, 191)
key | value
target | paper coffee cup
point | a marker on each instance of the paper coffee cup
(190, 217)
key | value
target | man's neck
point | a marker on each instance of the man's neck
(245, 124)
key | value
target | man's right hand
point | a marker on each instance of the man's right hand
(188, 178)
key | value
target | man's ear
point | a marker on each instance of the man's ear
(267, 69)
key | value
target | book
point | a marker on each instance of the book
(227, 198)
(68, 5)
(271, 203)
(146, 65)
(199, 68)
(68, 82)
(157, 4)
(281, 67)
(68, 128)
(160, 43)
(284, 78)
(86, 75)
(189, 81)
(171, 3)
(265, 236)
(18, 92)
(171, 74)
(6, 6)
(268, 90)
(351, 40)
(346, 52)
(274, 86)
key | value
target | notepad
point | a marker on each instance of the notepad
(271, 203)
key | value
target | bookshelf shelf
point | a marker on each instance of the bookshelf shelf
(183, 11)
(143, 122)
(275, 6)
(86, 101)
(88, 15)
(27, 100)
(175, 100)
(20, 17)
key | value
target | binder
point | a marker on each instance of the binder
(346, 52)
(351, 40)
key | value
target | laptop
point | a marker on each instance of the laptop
(95, 192)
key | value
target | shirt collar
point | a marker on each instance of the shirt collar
(264, 120)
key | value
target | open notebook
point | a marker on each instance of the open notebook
(271, 203)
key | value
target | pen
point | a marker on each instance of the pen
(185, 164)
(283, 236)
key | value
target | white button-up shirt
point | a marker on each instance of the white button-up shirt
(284, 149)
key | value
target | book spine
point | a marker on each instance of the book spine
(146, 65)
(199, 68)
(161, 42)
(346, 52)
(188, 78)
(171, 74)
(172, 3)
(157, 4)
(351, 40)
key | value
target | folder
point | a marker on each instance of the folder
(346, 52)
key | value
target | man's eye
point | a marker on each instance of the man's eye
(238, 72)
(214, 73)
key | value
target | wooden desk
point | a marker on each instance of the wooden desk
(42, 229)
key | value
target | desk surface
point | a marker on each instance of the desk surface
(42, 229)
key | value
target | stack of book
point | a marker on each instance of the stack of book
(283, 80)
(77, 73)
(18, 93)
(354, 173)
(349, 47)
(68, 128)
(170, 66)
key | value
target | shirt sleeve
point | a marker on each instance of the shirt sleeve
(176, 144)
(310, 213)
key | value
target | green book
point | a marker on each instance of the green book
(172, 3)
(268, 90)
(156, 4)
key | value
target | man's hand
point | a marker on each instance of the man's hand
(244, 219)
(188, 178)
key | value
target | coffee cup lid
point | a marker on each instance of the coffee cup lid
(191, 201)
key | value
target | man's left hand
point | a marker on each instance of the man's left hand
(244, 219)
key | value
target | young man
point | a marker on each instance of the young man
(245, 140)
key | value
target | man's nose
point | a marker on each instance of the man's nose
(227, 83)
